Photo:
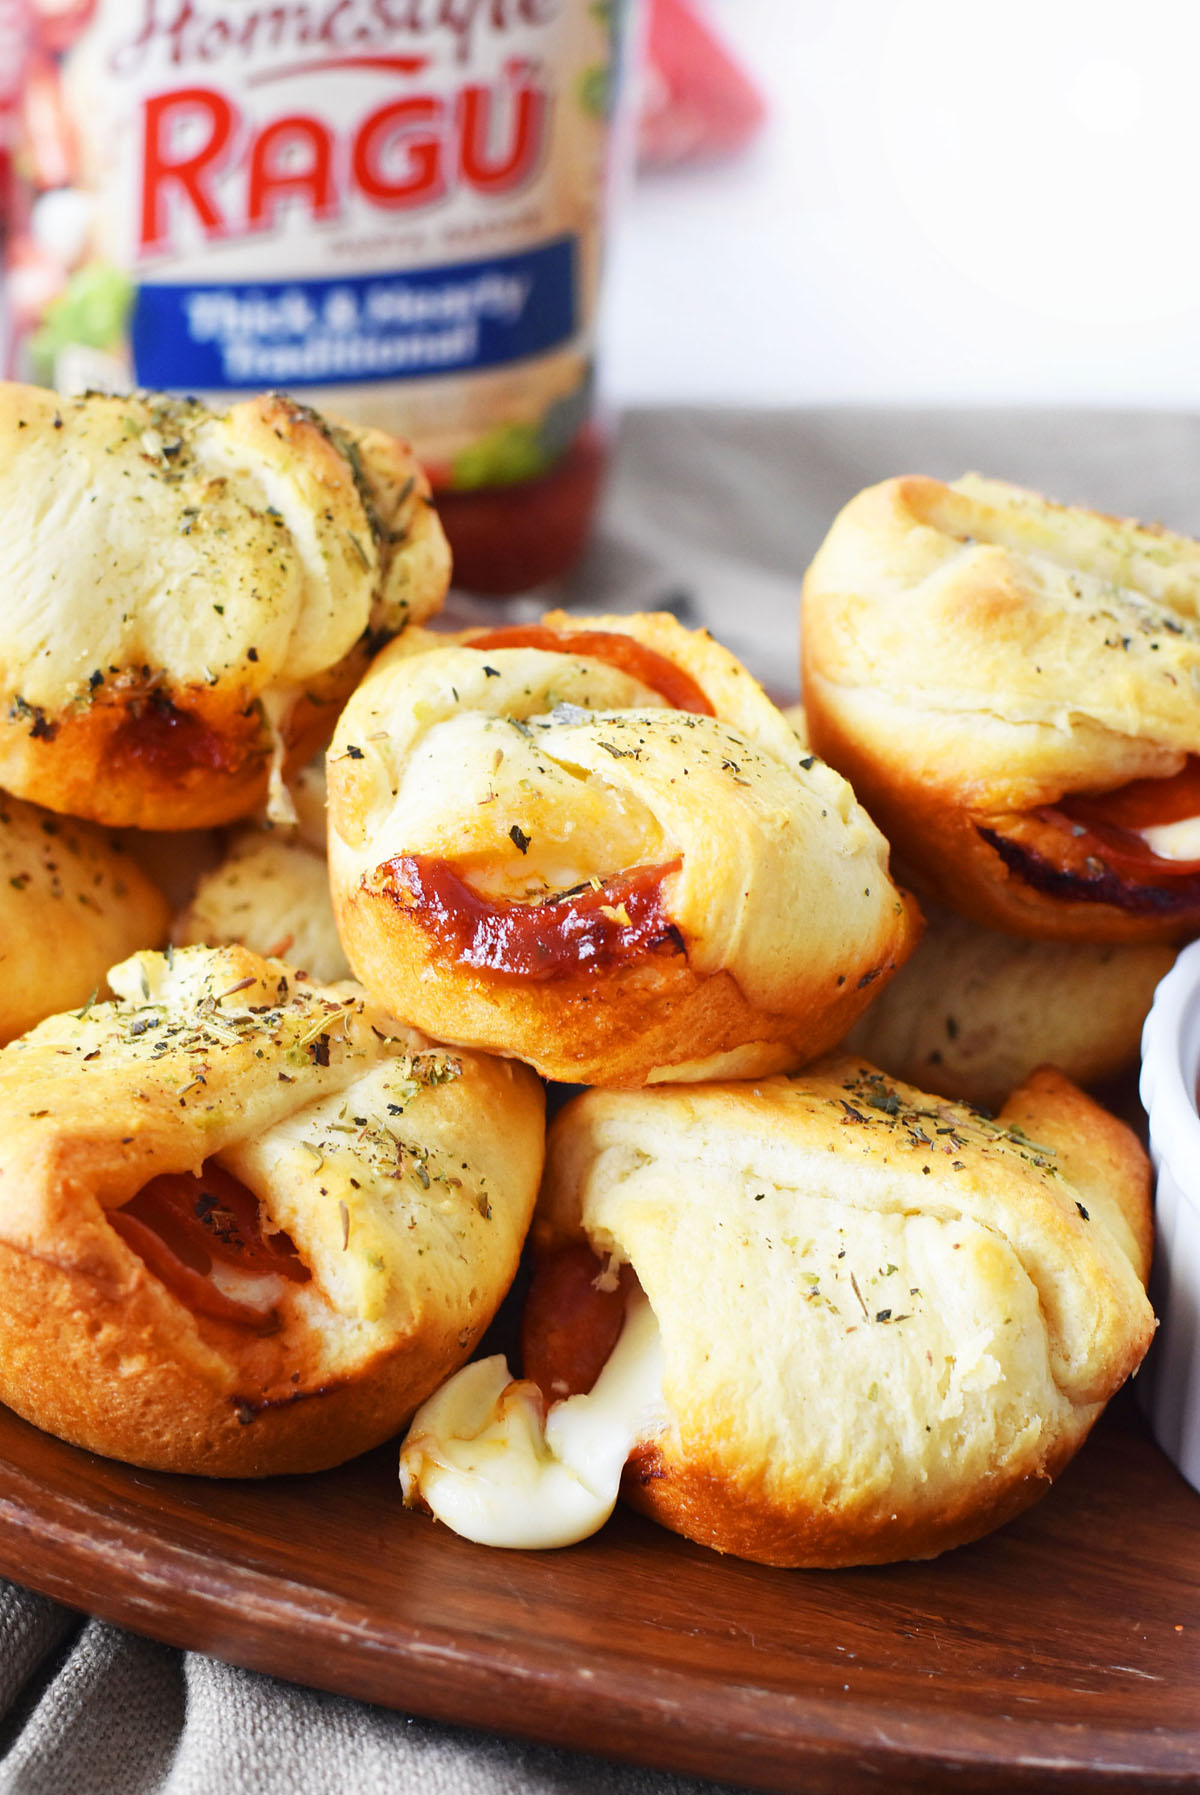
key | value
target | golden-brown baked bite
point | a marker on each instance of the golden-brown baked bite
(886, 1321)
(248, 1222)
(191, 595)
(975, 1011)
(596, 845)
(270, 891)
(1013, 689)
(271, 894)
(71, 903)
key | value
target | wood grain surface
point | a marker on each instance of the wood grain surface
(1063, 1653)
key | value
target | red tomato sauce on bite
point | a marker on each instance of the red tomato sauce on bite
(183, 1223)
(585, 930)
(171, 743)
(652, 669)
(1111, 821)
(570, 1327)
(596, 928)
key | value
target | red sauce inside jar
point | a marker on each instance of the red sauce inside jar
(505, 539)
(588, 930)
(183, 1223)
(644, 664)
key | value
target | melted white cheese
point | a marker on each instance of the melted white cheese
(478, 1456)
(260, 1289)
(1174, 841)
(277, 705)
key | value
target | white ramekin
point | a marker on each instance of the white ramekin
(1169, 1385)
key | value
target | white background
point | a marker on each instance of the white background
(951, 202)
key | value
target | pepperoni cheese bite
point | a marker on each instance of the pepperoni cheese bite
(1013, 688)
(272, 895)
(976, 1011)
(597, 846)
(249, 1222)
(191, 595)
(71, 902)
(270, 891)
(854, 1323)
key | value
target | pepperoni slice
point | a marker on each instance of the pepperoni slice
(1090, 880)
(1143, 803)
(652, 669)
(594, 928)
(182, 1224)
(1105, 824)
(570, 1327)
(1124, 852)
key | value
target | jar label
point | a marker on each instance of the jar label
(378, 327)
(390, 207)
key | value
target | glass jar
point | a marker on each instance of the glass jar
(392, 209)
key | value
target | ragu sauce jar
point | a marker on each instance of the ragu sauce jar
(12, 69)
(392, 209)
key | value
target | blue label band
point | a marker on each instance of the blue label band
(299, 333)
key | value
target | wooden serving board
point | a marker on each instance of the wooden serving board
(1063, 1653)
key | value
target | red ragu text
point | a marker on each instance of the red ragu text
(204, 162)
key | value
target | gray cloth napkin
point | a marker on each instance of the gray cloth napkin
(714, 514)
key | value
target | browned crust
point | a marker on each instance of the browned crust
(91, 761)
(134, 745)
(691, 1480)
(86, 761)
(945, 841)
(742, 1519)
(611, 1030)
(100, 1354)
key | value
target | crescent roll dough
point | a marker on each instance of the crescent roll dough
(190, 595)
(974, 1011)
(71, 902)
(596, 845)
(886, 1321)
(272, 895)
(271, 892)
(247, 1222)
(1013, 688)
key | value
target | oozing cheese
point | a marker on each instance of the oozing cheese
(478, 1456)
(263, 1289)
(277, 706)
(1174, 841)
